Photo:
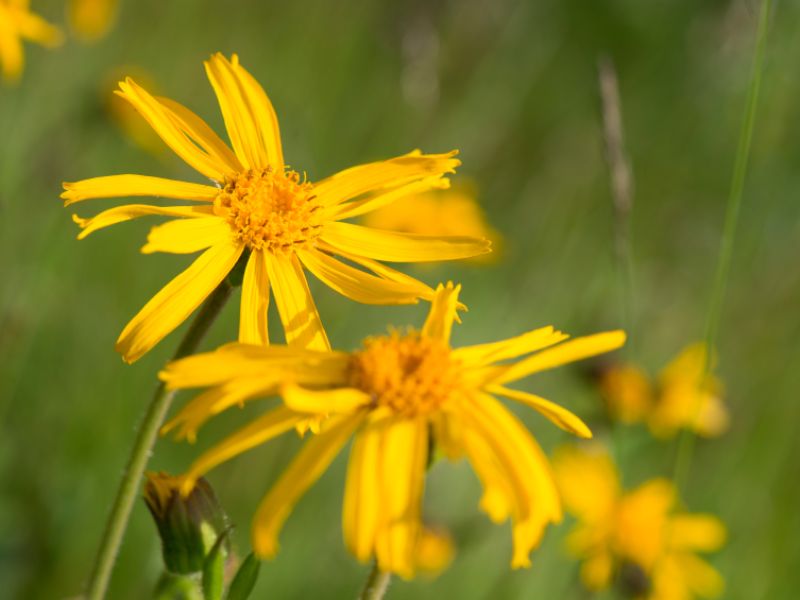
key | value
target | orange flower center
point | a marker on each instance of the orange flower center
(270, 209)
(412, 375)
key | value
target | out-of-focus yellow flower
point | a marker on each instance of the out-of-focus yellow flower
(641, 528)
(685, 396)
(17, 23)
(92, 19)
(689, 397)
(124, 115)
(267, 215)
(434, 551)
(390, 396)
(628, 393)
(452, 211)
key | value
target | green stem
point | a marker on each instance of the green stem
(376, 585)
(145, 439)
(686, 443)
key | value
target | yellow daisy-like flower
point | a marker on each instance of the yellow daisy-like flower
(92, 19)
(453, 211)
(18, 23)
(637, 531)
(395, 396)
(684, 396)
(261, 208)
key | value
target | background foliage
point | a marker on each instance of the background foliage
(512, 84)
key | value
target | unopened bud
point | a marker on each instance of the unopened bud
(188, 526)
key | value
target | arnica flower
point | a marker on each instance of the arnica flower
(684, 396)
(395, 396)
(260, 208)
(642, 531)
(453, 211)
(18, 23)
(91, 20)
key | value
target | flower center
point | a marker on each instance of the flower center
(269, 209)
(412, 375)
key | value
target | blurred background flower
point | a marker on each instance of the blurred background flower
(91, 19)
(19, 24)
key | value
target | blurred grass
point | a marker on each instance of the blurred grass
(515, 91)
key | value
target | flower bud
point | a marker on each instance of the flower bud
(187, 525)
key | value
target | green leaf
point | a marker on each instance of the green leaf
(245, 579)
(214, 570)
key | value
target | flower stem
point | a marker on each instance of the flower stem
(145, 439)
(685, 449)
(376, 585)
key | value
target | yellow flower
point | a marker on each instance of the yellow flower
(434, 551)
(17, 23)
(642, 528)
(268, 212)
(689, 397)
(683, 397)
(392, 396)
(438, 212)
(92, 19)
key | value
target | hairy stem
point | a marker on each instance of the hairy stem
(140, 453)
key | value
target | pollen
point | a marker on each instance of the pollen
(411, 374)
(274, 210)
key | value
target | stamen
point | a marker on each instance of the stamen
(413, 375)
(270, 209)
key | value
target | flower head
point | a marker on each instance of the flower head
(17, 23)
(394, 396)
(92, 19)
(188, 526)
(268, 213)
(638, 536)
(453, 211)
(684, 396)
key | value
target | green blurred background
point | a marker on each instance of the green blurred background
(513, 85)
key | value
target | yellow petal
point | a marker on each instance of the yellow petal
(122, 186)
(120, 214)
(185, 236)
(701, 578)
(239, 120)
(697, 532)
(301, 322)
(232, 361)
(597, 571)
(164, 124)
(12, 57)
(176, 301)
(354, 283)
(261, 430)
(588, 482)
(421, 289)
(254, 305)
(339, 400)
(362, 498)
(361, 179)
(301, 474)
(216, 400)
(403, 456)
(263, 114)
(571, 351)
(485, 354)
(499, 500)
(524, 466)
(201, 134)
(35, 28)
(434, 551)
(443, 311)
(357, 208)
(392, 246)
(559, 415)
